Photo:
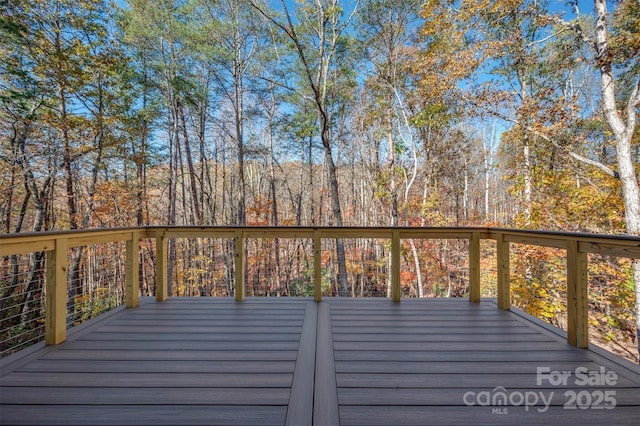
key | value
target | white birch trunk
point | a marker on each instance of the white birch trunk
(623, 132)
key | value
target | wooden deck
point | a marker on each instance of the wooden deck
(297, 362)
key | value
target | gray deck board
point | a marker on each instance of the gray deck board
(140, 396)
(183, 345)
(168, 367)
(401, 366)
(291, 361)
(428, 328)
(460, 345)
(473, 356)
(462, 380)
(452, 396)
(94, 415)
(405, 336)
(230, 336)
(438, 415)
(171, 355)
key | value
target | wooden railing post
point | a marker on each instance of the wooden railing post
(56, 298)
(317, 266)
(239, 266)
(395, 266)
(577, 297)
(162, 267)
(474, 268)
(131, 273)
(504, 284)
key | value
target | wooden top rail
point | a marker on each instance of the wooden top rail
(614, 245)
(24, 243)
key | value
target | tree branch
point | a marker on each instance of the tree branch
(577, 28)
(287, 87)
(580, 158)
(634, 101)
(595, 164)
(549, 37)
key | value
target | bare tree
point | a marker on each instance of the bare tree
(622, 124)
(322, 19)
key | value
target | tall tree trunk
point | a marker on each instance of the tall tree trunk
(193, 186)
(465, 192)
(318, 80)
(312, 213)
(526, 152)
(487, 151)
(335, 204)
(393, 189)
(242, 190)
(173, 187)
(140, 157)
(205, 173)
(35, 275)
(623, 132)
(272, 187)
(238, 105)
(416, 261)
(64, 126)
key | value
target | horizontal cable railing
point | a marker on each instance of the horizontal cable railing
(22, 309)
(119, 265)
(95, 277)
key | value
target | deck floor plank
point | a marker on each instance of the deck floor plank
(183, 345)
(401, 366)
(471, 355)
(198, 361)
(404, 336)
(463, 380)
(453, 396)
(191, 355)
(96, 415)
(140, 396)
(229, 335)
(158, 367)
(465, 416)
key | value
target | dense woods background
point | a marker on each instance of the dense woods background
(514, 113)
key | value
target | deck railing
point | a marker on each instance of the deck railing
(577, 247)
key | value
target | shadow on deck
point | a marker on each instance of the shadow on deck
(297, 362)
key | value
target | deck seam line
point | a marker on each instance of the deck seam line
(300, 408)
(325, 407)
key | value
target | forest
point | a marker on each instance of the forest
(510, 113)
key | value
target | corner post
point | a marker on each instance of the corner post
(395, 266)
(317, 266)
(474, 268)
(577, 296)
(162, 267)
(239, 266)
(132, 294)
(56, 298)
(504, 284)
